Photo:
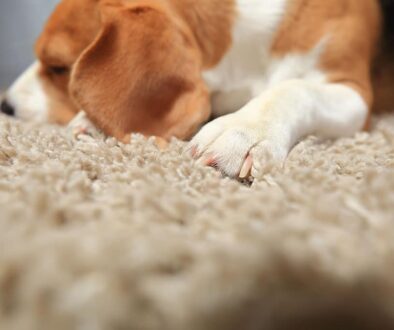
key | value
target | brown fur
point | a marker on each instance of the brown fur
(352, 29)
(61, 107)
(211, 22)
(123, 74)
(383, 80)
(142, 73)
(71, 27)
(135, 65)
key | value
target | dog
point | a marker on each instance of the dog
(269, 71)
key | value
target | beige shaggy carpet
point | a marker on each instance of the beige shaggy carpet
(99, 235)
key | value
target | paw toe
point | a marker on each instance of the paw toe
(230, 150)
(201, 142)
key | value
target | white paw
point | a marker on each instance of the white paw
(238, 147)
(81, 127)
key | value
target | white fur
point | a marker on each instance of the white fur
(81, 127)
(281, 99)
(28, 96)
(274, 121)
(237, 78)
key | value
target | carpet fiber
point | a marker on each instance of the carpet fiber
(99, 235)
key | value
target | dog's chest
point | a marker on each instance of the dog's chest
(242, 73)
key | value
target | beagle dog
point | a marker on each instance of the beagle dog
(269, 71)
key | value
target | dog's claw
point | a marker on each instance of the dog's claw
(81, 127)
(193, 151)
(211, 161)
(80, 130)
(207, 160)
(246, 167)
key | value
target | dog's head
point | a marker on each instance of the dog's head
(132, 66)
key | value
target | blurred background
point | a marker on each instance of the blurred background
(21, 22)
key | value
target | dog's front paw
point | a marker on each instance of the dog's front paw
(81, 127)
(238, 148)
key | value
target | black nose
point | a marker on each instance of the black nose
(7, 109)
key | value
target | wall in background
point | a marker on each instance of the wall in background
(21, 22)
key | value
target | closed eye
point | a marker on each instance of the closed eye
(58, 70)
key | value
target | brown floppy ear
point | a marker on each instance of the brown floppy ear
(141, 74)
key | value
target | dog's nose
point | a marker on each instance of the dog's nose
(7, 108)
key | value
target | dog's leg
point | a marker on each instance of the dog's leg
(272, 123)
